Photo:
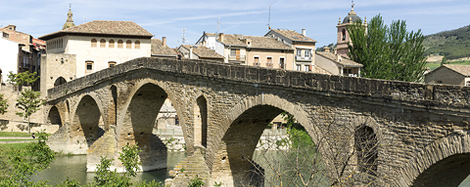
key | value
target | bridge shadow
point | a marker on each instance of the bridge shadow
(142, 111)
(450, 171)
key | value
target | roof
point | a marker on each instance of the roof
(203, 52)
(461, 69)
(344, 61)
(293, 35)
(354, 17)
(109, 28)
(159, 49)
(258, 42)
(318, 69)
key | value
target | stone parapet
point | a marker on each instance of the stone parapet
(387, 91)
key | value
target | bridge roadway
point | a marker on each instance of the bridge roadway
(420, 132)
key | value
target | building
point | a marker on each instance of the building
(160, 49)
(9, 58)
(27, 49)
(335, 64)
(343, 38)
(250, 50)
(449, 74)
(303, 47)
(199, 52)
(90, 47)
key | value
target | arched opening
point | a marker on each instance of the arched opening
(102, 43)
(94, 42)
(296, 158)
(451, 171)
(366, 149)
(59, 81)
(111, 43)
(128, 44)
(85, 128)
(139, 123)
(54, 117)
(200, 122)
(137, 44)
(343, 35)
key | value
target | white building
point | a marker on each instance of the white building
(91, 47)
(8, 58)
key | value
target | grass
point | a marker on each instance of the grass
(437, 64)
(15, 145)
(14, 134)
(13, 140)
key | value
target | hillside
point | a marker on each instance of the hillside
(453, 44)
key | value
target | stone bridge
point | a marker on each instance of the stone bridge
(421, 131)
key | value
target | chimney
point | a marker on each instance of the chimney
(164, 41)
(327, 49)
(221, 37)
(190, 52)
(304, 32)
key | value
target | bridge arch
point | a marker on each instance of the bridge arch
(241, 132)
(85, 123)
(59, 81)
(444, 162)
(137, 122)
(54, 116)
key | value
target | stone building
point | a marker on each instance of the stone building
(449, 74)
(343, 38)
(250, 50)
(199, 52)
(25, 47)
(303, 47)
(91, 47)
(337, 65)
(160, 49)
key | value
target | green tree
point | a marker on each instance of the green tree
(388, 52)
(23, 78)
(3, 104)
(28, 102)
(17, 165)
(444, 60)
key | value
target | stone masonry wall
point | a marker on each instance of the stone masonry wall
(407, 117)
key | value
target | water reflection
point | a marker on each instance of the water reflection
(74, 167)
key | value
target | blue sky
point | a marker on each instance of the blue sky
(247, 17)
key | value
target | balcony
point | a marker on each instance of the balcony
(302, 58)
(240, 58)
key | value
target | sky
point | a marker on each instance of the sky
(247, 17)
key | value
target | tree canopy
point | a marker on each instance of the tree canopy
(387, 52)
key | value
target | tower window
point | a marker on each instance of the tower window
(137, 44)
(102, 43)
(120, 44)
(128, 44)
(111, 43)
(343, 32)
(94, 42)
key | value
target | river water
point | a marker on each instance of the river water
(74, 167)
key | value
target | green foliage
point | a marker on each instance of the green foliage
(28, 102)
(69, 183)
(388, 52)
(216, 184)
(22, 78)
(105, 177)
(3, 104)
(196, 182)
(444, 60)
(332, 46)
(130, 159)
(453, 44)
(17, 165)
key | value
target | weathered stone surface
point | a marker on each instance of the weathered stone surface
(416, 125)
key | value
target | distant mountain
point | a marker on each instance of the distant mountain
(453, 44)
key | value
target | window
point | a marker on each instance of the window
(137, 44)
(111, 43)
(299, 52)
(343, 33)
(467, 83)
(111, 63)
(281, 63)
(128, 44)
(307, 53)
(120, 44)
(307, 68)
(298, 67)
(256, 62)
(6, 35)
(89, 67)
(102, 43)
(235, 53)
(269, 62)
(93, 42)
(366, 144)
